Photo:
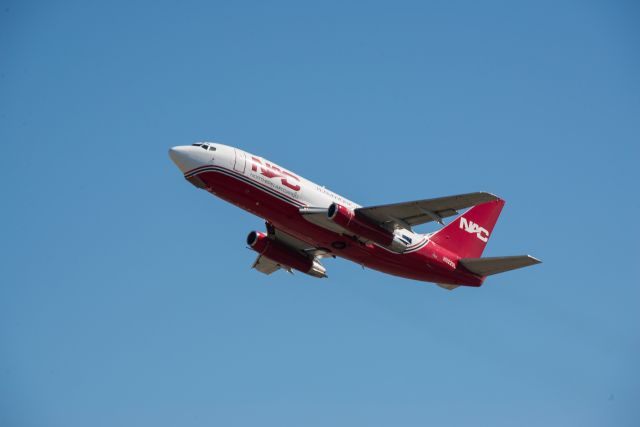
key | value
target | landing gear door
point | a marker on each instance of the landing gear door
(241, 161)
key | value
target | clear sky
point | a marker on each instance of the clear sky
(126, 296)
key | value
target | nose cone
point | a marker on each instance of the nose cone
(187, 158)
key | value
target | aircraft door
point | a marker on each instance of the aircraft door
(240, 162)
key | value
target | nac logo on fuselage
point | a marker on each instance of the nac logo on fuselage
(473, 228)
(271, 171)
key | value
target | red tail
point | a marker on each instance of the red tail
(468, 234)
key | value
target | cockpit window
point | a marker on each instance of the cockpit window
(205, 146)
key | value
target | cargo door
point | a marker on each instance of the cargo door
(241, 161)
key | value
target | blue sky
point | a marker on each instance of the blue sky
(126, 296)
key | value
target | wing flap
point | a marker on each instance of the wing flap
(423, 211)
(295, 243)
(494, 265)
(265, 265)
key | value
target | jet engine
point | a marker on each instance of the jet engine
(284, 255)
(349, 220)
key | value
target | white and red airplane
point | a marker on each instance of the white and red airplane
(306, 222)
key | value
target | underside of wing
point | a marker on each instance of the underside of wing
(417, 212)
(287, 252)
(295, 243)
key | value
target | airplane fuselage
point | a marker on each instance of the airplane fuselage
(281, 198)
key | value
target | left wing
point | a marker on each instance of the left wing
(295, 243)
(267, 266)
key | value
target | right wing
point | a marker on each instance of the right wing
(403, 215)
(407, 214)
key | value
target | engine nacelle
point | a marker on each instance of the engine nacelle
(283, 255)
(367, 230)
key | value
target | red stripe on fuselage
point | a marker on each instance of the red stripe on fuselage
(246, 179)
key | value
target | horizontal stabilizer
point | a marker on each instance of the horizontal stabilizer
(500, 264)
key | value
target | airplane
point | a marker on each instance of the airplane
(306, 222)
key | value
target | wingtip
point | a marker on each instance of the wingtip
(490, 196)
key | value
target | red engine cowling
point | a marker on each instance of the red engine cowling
(348, 220)
(283, 255)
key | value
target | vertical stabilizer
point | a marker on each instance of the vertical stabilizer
(468, 234)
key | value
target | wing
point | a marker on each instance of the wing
(417, 212)
(267, 266)
(295, 243)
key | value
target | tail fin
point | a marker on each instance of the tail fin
(468, 234)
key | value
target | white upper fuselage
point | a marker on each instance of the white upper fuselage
(190, 157)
